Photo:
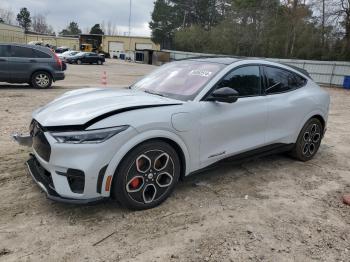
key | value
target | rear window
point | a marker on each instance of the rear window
(40, 54)
(4, 50)
(20, 51)
(280, 80)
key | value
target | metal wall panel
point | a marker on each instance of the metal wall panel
(322, 72)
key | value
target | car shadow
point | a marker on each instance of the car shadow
(5, 86)
(229, 171)
(15, 86)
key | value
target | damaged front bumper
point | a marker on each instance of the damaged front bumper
(43, 178)
(44, 181)
(23, 140)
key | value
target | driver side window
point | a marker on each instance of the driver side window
(245, 80)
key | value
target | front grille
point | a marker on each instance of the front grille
(40, 143)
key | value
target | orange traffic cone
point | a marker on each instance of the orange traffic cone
(104, 78)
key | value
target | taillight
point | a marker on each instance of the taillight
(58, 60)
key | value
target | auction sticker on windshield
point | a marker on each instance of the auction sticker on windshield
(202, 73)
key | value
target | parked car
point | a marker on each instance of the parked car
(33, 64)
(86, 58)
(66, 54)
(61, 49)
(135, 144)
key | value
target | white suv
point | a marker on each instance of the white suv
(135, 144)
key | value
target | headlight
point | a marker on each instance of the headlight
(88, 136)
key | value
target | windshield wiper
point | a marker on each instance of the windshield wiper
(153, 93)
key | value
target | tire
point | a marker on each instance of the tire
(79, 62)
(99, 62)
(146, 176)
(309, 140)
(41, 79)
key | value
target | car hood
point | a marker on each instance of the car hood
(79, 107)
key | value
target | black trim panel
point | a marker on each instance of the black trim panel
(249, 155)
(100, 178)
(101, 117)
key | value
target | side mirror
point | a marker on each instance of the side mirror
(225, 95)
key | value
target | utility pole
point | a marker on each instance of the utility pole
(130, 28)
(130, 19)
(323, 23)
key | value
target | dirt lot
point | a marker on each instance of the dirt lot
(272, 209)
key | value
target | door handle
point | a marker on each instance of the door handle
(2, 60)
(33, 61)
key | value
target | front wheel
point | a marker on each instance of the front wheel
(79, 62)
(99, 62)
(146, 176)
(309, 140)
(41, 80)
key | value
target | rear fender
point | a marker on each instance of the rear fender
(319, 112)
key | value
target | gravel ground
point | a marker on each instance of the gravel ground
(271, 209)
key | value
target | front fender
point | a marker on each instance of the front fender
(138, 139)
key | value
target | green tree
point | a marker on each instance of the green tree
(96, 29)
(164, 23)
(257, 28)
(71, 29)
(23, 18)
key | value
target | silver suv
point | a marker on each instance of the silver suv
(36, 65)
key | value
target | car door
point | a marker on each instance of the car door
(286, 100)
(83, 58)
(89, 58)
(21, 62)
(94, 58)
(230, 129)
(5, 73)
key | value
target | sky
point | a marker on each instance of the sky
(89, 12)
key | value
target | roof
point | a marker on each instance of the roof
(226, 60)
(219, 59)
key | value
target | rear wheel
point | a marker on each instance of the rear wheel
(41, 79)
(309, 140)
(146, 176)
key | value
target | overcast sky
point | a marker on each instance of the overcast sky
(89, 12)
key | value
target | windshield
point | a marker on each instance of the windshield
(181, 80)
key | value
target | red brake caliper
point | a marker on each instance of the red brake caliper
(135, 183)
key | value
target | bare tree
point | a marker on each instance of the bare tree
(7, 16)
(111, 28)
(108, 31)
(40, 25)
(86, 30)
(103, 26)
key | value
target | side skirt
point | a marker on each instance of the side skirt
(248, 156)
